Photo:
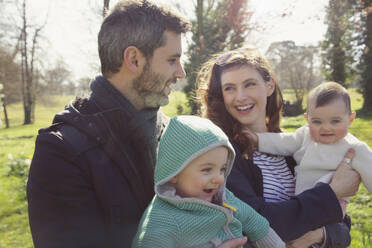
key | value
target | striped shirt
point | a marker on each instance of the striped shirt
(278, 181)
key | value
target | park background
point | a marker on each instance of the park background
(48, 55)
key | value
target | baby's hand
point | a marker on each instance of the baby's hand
(251, 136)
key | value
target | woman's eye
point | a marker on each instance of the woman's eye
(316, 122)
(206, 170)
(249, 84)
(227, 88)
(335, 121)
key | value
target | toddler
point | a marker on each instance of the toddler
(192, 207)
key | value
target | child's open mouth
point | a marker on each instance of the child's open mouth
(208, 191)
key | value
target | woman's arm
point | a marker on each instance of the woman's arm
(307, 211)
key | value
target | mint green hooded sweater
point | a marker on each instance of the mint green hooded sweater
(173, 221)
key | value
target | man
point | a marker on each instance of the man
(92, 172)
(91, 176)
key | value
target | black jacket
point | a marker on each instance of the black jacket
(87, 185)
(291, 219)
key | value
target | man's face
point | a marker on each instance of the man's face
(163, 69)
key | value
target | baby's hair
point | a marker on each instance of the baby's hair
(327, 92)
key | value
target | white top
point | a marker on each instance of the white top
(316, 160)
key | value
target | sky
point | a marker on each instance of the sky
(72, 27)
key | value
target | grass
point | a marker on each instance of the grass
(19, 140)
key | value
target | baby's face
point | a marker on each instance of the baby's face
(204, 176)
(329, 123)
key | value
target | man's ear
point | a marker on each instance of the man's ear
(133, 59)
(173, 180)
(352, 117)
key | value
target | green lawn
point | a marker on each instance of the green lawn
(19, 140)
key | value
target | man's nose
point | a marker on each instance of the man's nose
(180, 72)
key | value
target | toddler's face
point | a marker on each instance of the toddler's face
(329, 123)
(204, 176)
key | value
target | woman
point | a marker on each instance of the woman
(237, 90)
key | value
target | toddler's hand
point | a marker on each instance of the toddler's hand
(234, 243)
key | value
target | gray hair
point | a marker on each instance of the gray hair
(138, 23)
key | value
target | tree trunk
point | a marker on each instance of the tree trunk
(338, 63)
(28, 60)
(5, 113)
(367, 74)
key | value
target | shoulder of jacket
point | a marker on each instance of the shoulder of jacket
(75, 138)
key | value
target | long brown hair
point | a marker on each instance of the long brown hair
(209, 93)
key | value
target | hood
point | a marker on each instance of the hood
(186, 138)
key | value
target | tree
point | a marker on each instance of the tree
(336, 59)
(56, 77)
(360, 45)
(364, 9)
(2, 102)
(219, 25)
(29, 33)
(83, 85)
(9, 79)
(297, 68)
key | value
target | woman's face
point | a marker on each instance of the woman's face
(245, 96)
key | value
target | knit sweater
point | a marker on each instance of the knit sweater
(174, 221)
(317, 161)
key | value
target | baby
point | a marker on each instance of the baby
(192, 207)
(320, 146)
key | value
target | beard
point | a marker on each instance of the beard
(151, 87)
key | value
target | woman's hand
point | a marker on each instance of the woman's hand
(345, 182)
(234, 243)
(308, 239)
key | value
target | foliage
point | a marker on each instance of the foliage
(55, 78)
(10, 76)
(17, 166)
(337, 53)
(348, 45)
(219, 25)
(296, 68)
(177, 105)
(365, 10)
